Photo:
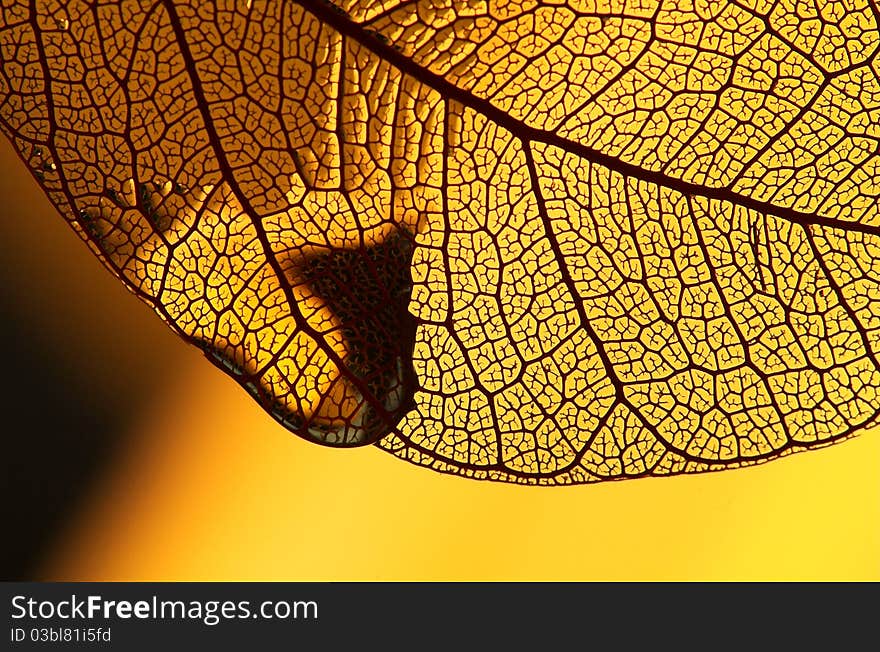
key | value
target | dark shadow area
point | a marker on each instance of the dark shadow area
(368, 290)
(57, 437)
(82, 359)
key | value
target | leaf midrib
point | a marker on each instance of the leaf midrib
(527, 133)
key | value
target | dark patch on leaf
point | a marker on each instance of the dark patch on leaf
(368, 289)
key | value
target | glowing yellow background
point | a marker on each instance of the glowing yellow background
(210, 488)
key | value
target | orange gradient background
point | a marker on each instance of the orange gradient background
(205, 485)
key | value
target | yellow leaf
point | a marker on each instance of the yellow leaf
(529, 242)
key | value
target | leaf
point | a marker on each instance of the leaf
(531, 242)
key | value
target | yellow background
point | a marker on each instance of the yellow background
(208, 487)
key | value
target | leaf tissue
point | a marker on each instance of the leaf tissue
(533, 241)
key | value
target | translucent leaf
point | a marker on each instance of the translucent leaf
(534, 242)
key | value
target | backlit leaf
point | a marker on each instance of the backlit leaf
(539, 242)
